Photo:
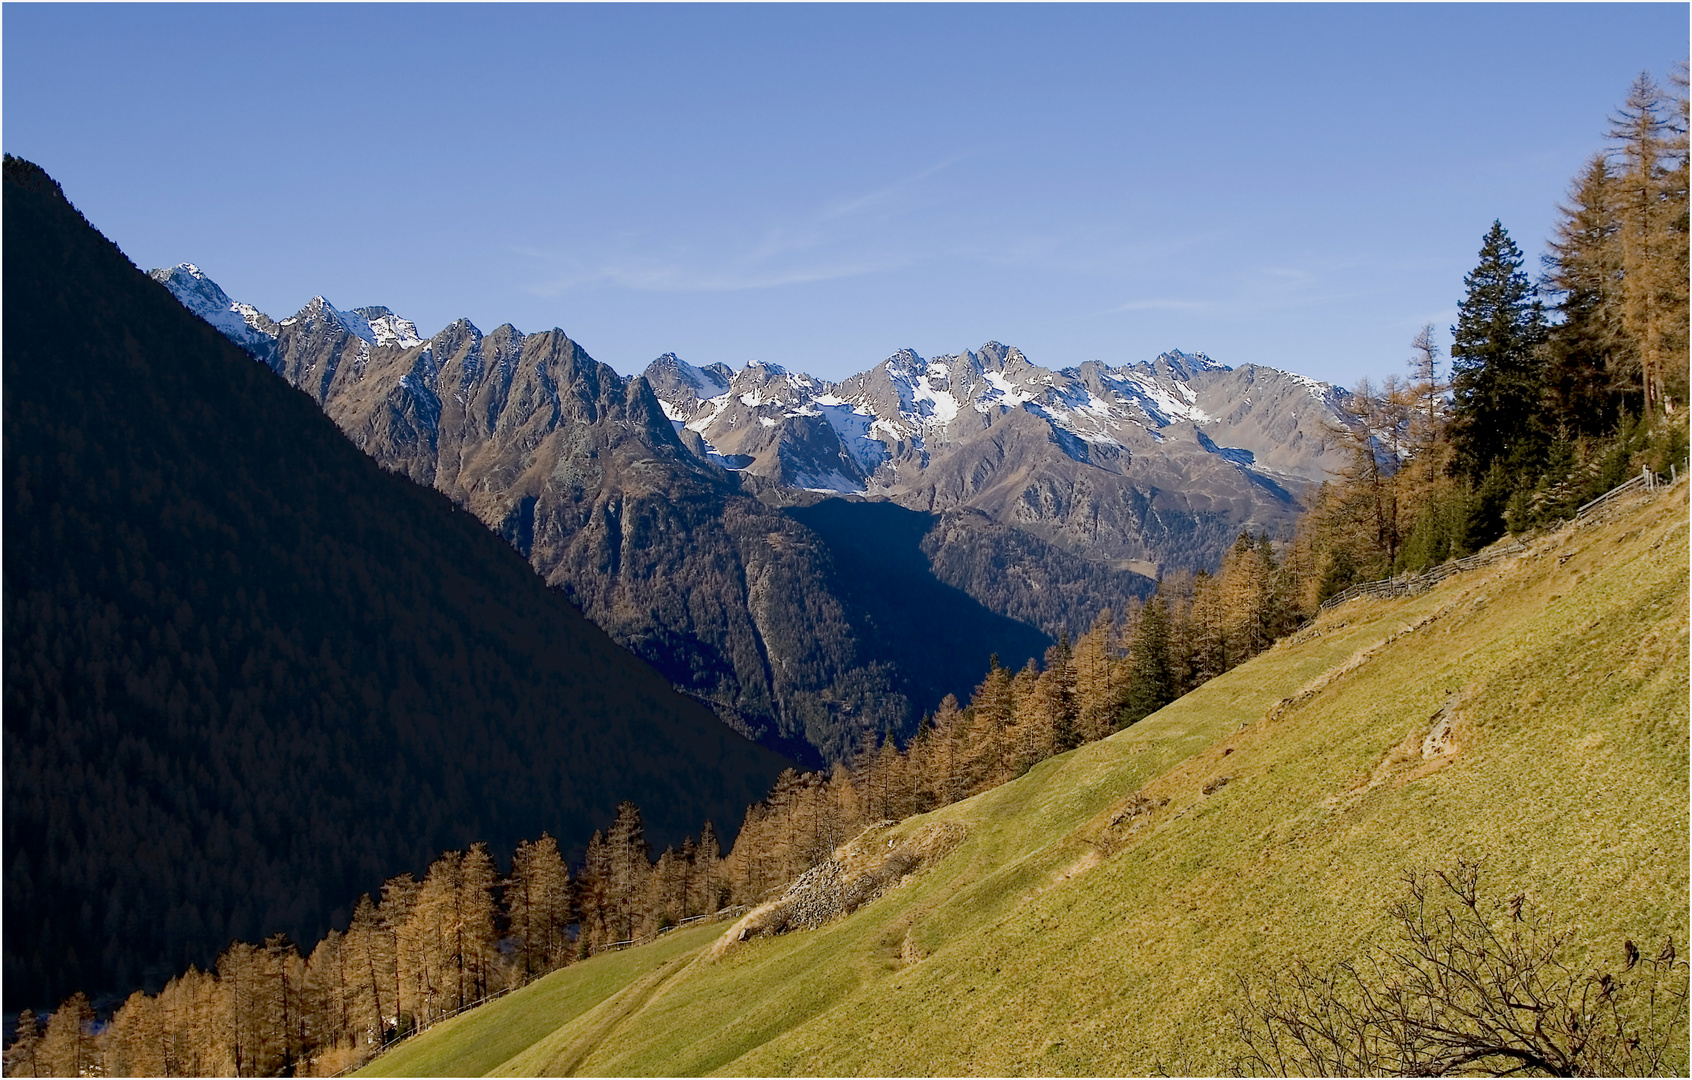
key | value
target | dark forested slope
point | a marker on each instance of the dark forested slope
(248, 674)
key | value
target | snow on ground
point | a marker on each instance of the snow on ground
(1162, 406)
(706, 419)
(1096, 404)
(201, 295)
(390, 329)
(351, 321)
(1318, 390)
(853, 428)
(892, 431)
(704, 383)
(1009, 395)
(832, 481)
(942, 406)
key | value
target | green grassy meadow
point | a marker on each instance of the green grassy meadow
(1063, 937)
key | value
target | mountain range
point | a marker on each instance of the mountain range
(1152, 465)
(817, 561)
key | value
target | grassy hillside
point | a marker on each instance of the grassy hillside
(1063, 936)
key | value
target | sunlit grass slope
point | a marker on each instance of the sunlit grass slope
(1066, 936)
(484, 1038)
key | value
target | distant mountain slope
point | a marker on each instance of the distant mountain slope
(1093, 920)
(700, 570)
(248, 674)
(656, 502)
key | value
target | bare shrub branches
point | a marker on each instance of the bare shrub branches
(1468, 986)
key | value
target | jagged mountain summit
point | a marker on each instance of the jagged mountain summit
(243, 324)
(1093, 456)
(714, 521)
(1152, 465)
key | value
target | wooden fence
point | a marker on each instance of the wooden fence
(1409, 584)
(1646, 480)
(647, 939)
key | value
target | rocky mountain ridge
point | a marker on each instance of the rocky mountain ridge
(1088, 457)
(689, 511)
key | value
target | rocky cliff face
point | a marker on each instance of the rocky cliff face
(687, 510)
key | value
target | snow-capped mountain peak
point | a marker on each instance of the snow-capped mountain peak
(242, 323)
(319, 311)
(257, 332)
(925, 431)
(387, 328)
(879, 430)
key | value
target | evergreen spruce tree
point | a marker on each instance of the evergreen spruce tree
(1151, 676)
(1065, 715)
(1497, 379)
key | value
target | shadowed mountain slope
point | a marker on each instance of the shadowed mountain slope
(883, 576)
(250, 674)
(1096, 914)
(694, 567)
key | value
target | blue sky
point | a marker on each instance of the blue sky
(819, 186)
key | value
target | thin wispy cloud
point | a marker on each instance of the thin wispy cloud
(829, 243)
(1259, 291)
(686, 277)
(1163, 305)
(888, 194)
(1090, 251)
